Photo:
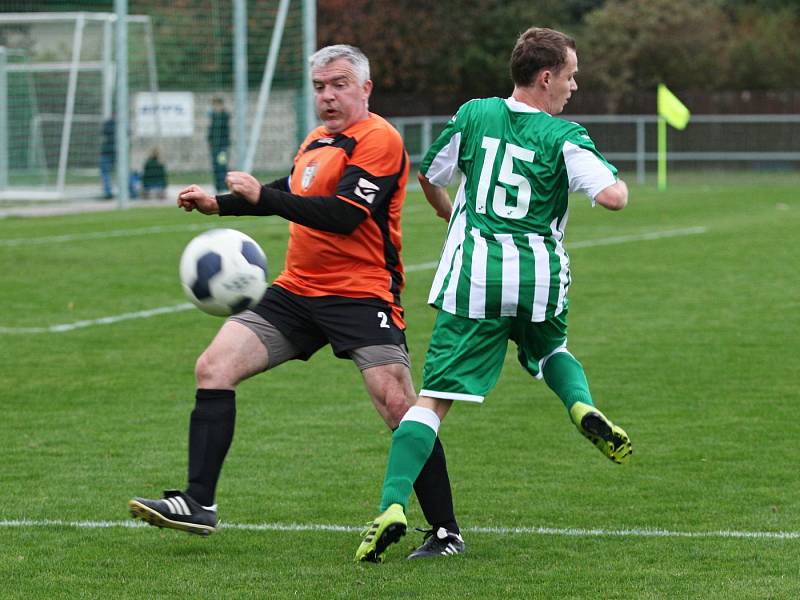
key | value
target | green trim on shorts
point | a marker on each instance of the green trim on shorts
(465, 356)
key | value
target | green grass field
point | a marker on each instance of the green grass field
(684, 311)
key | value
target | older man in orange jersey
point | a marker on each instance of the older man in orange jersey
(341, 286)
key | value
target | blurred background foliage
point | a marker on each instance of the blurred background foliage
(429, 57)
(625, 47)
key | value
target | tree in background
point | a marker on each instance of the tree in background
(453, 50)
(447, 47)
(435, 55)
(763, 53)
(631, 45)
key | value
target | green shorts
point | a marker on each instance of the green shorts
(465, 356)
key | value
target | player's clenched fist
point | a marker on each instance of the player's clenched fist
(244, 185)
(195, 198)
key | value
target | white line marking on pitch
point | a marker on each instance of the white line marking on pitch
(622, 239)
(115, 233)
(639, 237)
(156, 229)
(142, 314)
(553, 531)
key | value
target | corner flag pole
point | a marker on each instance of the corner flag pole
(662, 154)
(673, 112)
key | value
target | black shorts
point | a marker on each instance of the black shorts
(345, 323)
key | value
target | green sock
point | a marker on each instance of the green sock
(565, 376)
(412, 444)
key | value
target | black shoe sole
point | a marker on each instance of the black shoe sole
(156, 519)
(597, 426)
(391, 535)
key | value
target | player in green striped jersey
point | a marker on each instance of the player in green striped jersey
(503, 273)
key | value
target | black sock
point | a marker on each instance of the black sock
(210, 435)
(433, 491)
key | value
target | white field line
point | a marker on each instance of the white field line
(622, 239)
(141, 314)
(156, 229)
(527, 531)
(655, 235)
(101, 235)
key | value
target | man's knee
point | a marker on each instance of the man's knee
(217, 369)
(391, 389)
(210, 371)
(397, 403)
(235, 354)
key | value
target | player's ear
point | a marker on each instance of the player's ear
(367, 88)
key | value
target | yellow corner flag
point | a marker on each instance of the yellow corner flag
(672, 109)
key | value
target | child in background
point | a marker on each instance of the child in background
(154, 177)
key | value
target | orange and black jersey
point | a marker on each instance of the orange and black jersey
(344, 198)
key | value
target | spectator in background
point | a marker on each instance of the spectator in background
(219, 142)
(108, 159)
(108, 155)
(154, 176)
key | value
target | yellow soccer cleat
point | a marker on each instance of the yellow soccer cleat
(384, 531)
(610, 439)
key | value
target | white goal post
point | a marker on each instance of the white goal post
(57, 81)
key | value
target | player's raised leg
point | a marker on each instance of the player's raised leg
(564, 374)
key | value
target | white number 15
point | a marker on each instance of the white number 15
(506, 176)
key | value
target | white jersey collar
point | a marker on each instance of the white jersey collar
(518, 106)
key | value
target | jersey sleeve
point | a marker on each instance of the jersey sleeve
(588, 170)
(372, 176)
(441, 160)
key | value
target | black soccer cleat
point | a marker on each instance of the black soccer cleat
(176, 511)
(439, 543)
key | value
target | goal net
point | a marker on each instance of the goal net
(58, 86)
(57, 75)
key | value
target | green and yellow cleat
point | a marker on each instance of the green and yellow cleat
(384, 531)
(610, 439)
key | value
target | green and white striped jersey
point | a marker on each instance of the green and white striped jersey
(504, 255)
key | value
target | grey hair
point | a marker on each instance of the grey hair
(328, 54)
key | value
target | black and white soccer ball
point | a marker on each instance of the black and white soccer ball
(223, 272)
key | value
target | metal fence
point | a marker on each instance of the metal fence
(755, 142)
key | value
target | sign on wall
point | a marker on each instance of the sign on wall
(171, 112)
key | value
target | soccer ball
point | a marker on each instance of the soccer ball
(223, 272)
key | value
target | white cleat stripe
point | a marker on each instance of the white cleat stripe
(175, 506)
(170, 506)
(182, 505)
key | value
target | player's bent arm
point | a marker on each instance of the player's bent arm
(613, 197)
(326, 213)
(437, 197)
